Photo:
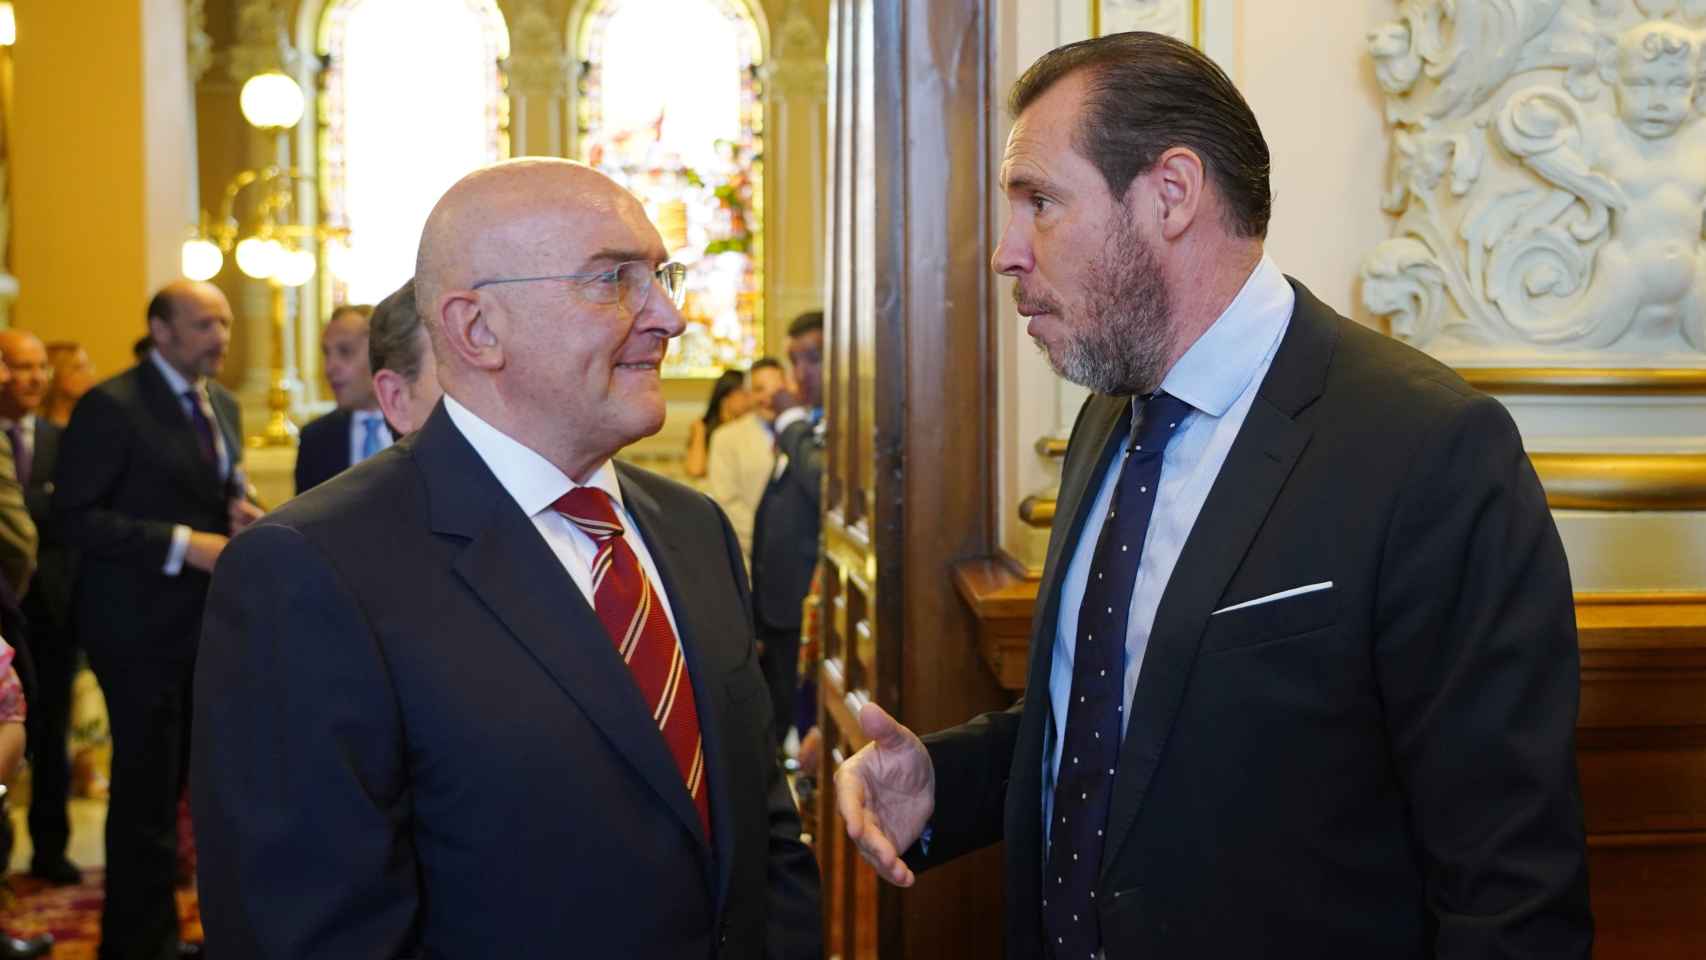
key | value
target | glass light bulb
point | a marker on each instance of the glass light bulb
(296, 267)
(271, 100)
(202, 259)
(258, 258)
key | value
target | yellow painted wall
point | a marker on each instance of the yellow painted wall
(97, 213)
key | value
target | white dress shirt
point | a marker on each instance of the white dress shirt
(534, 483)
(179, 384)
(1219, 377)
(358, 422)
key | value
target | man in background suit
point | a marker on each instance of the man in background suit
(148, 487)
(491, 694)
(356, 429)
(1303, 669)
(789, 518)
(19, 537)
(52, 647)
(744, 453)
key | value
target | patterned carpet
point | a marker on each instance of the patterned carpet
(73, 914)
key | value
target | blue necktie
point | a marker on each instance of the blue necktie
(1090, 750)
(369, 439)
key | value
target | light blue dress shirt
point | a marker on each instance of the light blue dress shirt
(1218, 376)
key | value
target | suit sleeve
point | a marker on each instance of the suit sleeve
(304, 480)
(18, 536)
(94, 453)
(300, 783)
(971, 763)
(795, 913)
(237, 484)
(805, 457)
(1478, 667)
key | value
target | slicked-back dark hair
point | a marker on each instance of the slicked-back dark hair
(1149, 93)
(394, 334)
(806, 323)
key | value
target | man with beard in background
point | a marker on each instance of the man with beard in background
(148, 488)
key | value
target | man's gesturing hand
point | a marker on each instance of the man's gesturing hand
(886, 793)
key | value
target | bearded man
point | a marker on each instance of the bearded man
(1303, 669)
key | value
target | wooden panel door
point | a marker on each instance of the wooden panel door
(908, 402)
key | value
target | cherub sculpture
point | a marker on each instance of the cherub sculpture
(1640, 174)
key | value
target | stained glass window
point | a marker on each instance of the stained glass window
(670, 105)
(412, 98)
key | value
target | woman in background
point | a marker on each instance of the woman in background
(73, 375)
(729, 399)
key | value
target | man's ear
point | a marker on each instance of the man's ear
(1176, 184)
(467, 330)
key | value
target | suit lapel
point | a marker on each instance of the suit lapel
(508, 565)
(177, 433)
(686, 583)
(1261, 458)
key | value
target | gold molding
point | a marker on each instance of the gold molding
(1623, 481)
(1053, 448)
(1037, 511)
(1579, 380)
(1618, 482)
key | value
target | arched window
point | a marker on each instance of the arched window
(412, 98)
(670, 106)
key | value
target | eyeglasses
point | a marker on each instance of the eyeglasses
(629, 283)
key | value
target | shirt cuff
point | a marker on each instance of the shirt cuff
(179, 549)
(791, 416)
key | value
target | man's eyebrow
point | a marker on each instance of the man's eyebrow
(1025, 182)
(622, 255)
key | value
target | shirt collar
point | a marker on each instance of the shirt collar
(531, 480)
(1217, 369)
(26, 423)
(174, 379)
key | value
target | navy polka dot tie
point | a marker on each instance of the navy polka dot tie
(1090, 751)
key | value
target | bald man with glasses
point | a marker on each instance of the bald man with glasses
(492, 693)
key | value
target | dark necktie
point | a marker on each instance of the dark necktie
(20, 454)
(1090, 749)
(627, 603)
(203, 429)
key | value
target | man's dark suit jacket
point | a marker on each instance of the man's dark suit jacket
(129, 470)
(324, 450)
(49, 597)
(1383, 769)
(414, 737)
(785, 529)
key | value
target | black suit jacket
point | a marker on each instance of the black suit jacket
(49, 599)
(323, 450)
(785, 529)
(1382, 769)
(129, 470)
(415, 739)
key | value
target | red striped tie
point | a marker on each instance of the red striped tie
(628, 604)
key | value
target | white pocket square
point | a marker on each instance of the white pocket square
(1282, 595)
